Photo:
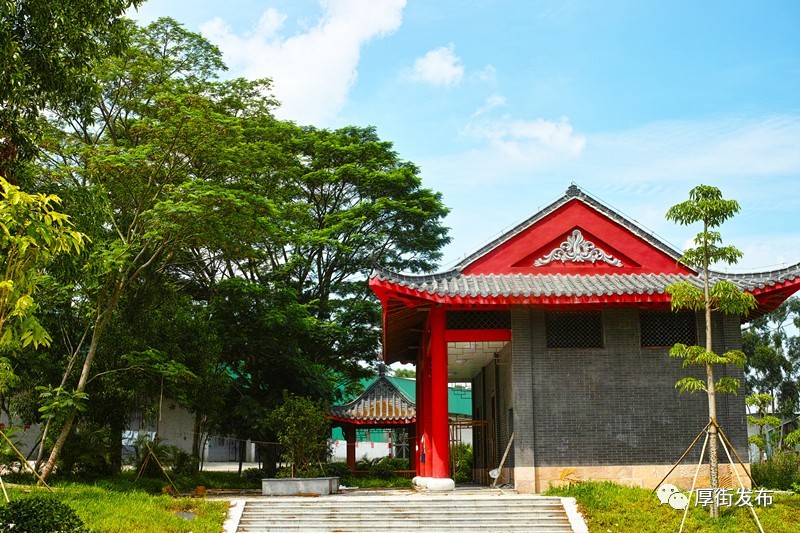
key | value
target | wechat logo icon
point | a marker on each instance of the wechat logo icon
(675, 498)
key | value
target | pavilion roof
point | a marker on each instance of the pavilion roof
(382, 403)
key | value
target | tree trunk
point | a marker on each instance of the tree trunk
(713, 459)
(116, 430)
(242, 452)
(99, 326)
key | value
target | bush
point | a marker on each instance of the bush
(40, 514)
(254, 475)
(336, 469)
(184, 464)
(87, 454)
(382, 470)
(397, 463)
(462, 454)
(779, 472)
(303, 431)
(167, 456)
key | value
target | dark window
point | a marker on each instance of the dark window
(479, 320)
(571, 329)
(665, 328)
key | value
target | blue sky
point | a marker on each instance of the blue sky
(504, 104)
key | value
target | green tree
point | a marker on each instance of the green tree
(32, 234)
(707, 206)
(762, 419)
(303, 431)
(405, 373)
(150, 172)
(773, 357)
(271, 344)
(46, 54)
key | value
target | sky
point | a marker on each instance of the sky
(504, 104)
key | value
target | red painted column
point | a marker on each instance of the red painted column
(426, 457)
(420, 409)
(439, 425)
(350, 437)
(412, 447)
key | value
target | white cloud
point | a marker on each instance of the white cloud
(492, 101)
(440, 67)
(512, 168)
(312, 71)
(486, 75)
(528, 142)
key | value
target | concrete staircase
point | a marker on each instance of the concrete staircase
(400, 511)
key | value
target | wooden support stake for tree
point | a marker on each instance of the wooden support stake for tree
(503, 460)
(25, 462)
(683, 456)
(738, 478)
(725, 438)
(152, 453)
(694, 481)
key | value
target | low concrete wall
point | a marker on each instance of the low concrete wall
(534, 480)
(292, 486)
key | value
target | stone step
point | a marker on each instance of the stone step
(405, 527)
(455, 506)
(405, 512)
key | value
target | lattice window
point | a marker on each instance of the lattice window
(665, 328)
(478, 320)
(574, 329)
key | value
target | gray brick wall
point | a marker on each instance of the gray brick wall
(615, 405)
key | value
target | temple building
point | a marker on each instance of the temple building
(563, 328)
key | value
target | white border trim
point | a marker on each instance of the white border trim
(576, 520)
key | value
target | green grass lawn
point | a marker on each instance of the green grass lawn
(616, 508)
(124, 504)
(121, 505)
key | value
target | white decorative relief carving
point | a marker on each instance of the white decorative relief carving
(576, 249)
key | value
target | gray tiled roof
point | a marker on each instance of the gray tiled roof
(381, 402)
(453, 283)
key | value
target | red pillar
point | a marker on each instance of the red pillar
(412, 447)
(350, 437)
(439, 426)
(426, 435)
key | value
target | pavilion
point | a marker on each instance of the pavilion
(563, 327)
(390, 403)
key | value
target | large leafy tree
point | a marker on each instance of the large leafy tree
(47, 50)
(181, 178)
(355, 204)
(148, 172)
(773, 357)
(706, 205)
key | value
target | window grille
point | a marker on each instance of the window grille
(479, 320)
(570, 329)
(665, 328)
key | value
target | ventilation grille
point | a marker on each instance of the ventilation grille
(664, 328)
(478, 320)
(582, 329)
